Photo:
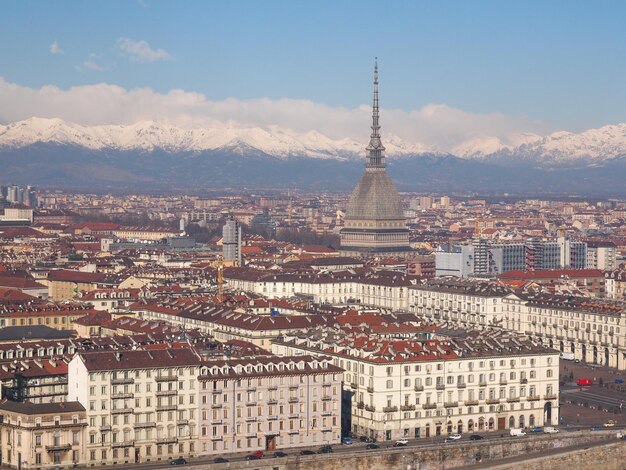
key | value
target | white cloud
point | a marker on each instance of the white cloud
(437, 126)
(91, 65)
(55, 48)
(140, 51)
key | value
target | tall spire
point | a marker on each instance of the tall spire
(375, 149)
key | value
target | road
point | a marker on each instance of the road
(356, 447)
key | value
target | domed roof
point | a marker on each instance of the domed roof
(375, 198)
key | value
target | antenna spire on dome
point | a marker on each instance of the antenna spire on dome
(375, 149)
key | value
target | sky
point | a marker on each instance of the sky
(450, 71)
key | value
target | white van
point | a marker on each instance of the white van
(517, 432)
(550, 430)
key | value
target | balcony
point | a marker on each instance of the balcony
(513, 399)
(354, 385)
(551, 396)
(182, 422)
(533, 398)
(122, 396)
(217, 421)
(216, 438)
(451, 404)
(418, 388)
(122, 381)
(390, 409)
(294, 415)
(166, 393)
(493, 401)
(250, 418)
(523, 381)
(370, 408)
(482, 383)
(272, 387)
(216, 405)
(251, 403)
(150, 424)
(105, 428)
(119, 445)
(407, 407)
(166, 378)
(272, 418)
(293, 399)
(360, 405)
(429, 406)
(167, 440)
(327, 397)
(461, 385)
(59, 448)
(272, 401)
(370, 389)
(504, 382)
(293, 387)
(251, 389)
(168, 407)
(121, 411)
(471, 403)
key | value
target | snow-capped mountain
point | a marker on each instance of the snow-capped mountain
(153, 135)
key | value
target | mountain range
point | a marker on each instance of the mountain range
(160, 156)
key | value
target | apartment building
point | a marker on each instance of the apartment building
(592, 329)
(269, 403)
(45, 435)
(601, 255)
(141, 405)
(417, 389)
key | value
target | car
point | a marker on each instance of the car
(307, 452)
(252, 457)
(476, 437)
(280, 454)
(536, 429)
(454, 437)
(365, 439)
(325, 450)
(609, 424)
(220, 460)
(619, 381)
(517, 432)
(596, 428)
(550, 430)
(372, 446)
(178, 461)
(346, 441)
(584, 382)
(401, 443)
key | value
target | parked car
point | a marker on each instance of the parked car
(596, 428)
(365, 439)
(178, 461)
(550, 430)
(259, 453)
(536, 429)
(325, 449)
(346, 441)
(584, 382)
(476, 437)
(619, 381)
(372, 446)
(280, 454)
(517, 432)
(609, 424)
(401, 443)
(307, 452)
(454, 437)
(220, 460)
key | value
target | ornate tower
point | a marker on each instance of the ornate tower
(374, 222)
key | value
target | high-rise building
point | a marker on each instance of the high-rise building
(231, 242)
(374, 221)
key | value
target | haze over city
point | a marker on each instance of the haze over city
(307, 236)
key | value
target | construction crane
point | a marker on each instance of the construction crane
(219, 265)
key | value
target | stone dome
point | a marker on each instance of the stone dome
(375, 197)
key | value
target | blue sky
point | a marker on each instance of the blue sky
(547, 65)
